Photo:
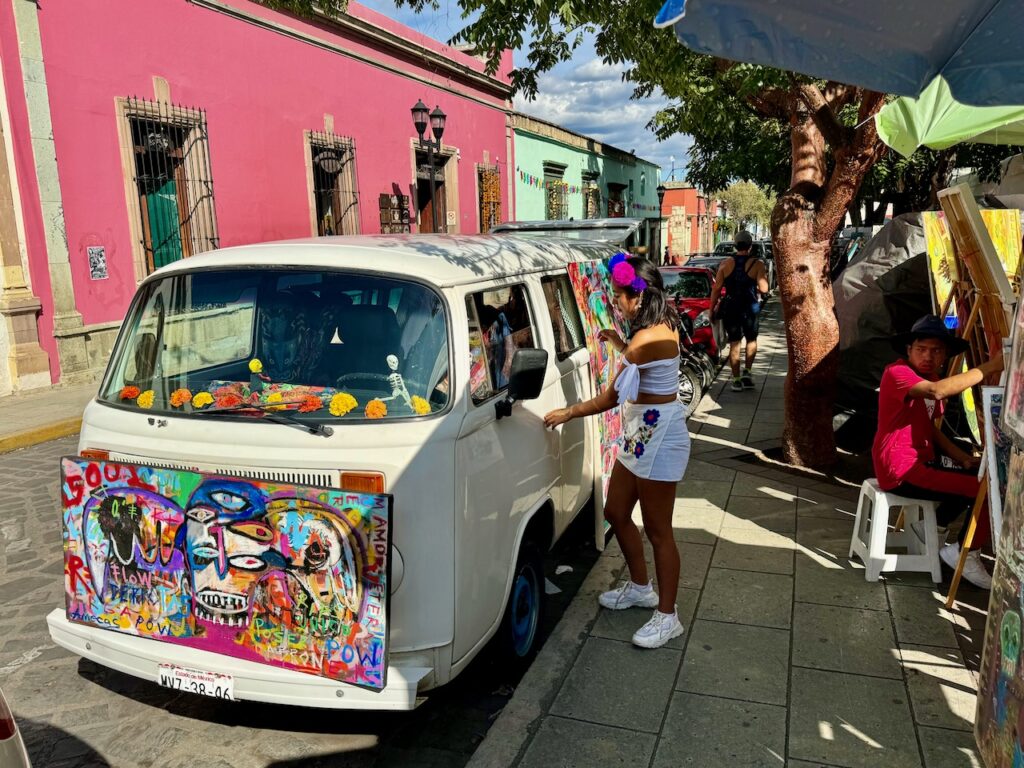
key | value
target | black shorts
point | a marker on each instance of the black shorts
(743, 326)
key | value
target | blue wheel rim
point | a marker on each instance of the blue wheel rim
(525, 604)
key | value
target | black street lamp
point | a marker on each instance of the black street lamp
(661, 201)
(437, 118)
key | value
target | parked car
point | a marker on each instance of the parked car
(710, 261)
(480, 491)
(690, 289)
(12, 748)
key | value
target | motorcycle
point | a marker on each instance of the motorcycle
(696, 370)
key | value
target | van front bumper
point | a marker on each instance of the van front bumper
(253, 681)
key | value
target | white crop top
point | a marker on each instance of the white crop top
(658, 377)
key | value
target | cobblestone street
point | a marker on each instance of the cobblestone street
(76, 714)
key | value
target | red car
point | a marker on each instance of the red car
(690, 289)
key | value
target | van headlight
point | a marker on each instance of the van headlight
(702, 320)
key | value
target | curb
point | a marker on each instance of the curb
(36, 435)
(510, 735)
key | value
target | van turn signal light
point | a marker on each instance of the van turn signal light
(362, 482)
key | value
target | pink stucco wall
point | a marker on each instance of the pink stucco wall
(261, 90)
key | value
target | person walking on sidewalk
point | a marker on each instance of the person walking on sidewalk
(910, 399)
(745, 279)
(654, 448)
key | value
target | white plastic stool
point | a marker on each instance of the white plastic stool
(872, 538)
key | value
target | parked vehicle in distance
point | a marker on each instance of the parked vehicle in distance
(12, 747)
(690, 289)
(710, 261)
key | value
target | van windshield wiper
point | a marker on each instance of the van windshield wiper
(271, 413)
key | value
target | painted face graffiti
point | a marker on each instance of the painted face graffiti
(1009, 635)
(281, 574)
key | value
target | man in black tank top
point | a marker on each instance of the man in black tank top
(744, 278)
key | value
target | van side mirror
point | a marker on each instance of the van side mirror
(526, 380)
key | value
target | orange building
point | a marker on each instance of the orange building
(685, 224)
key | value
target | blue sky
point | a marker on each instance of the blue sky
(584, 94)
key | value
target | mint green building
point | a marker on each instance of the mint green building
(561, 175)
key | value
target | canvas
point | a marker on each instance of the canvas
(999, 727)
(592, 286)
(287, 575)
(1013, 413)
(997, 456)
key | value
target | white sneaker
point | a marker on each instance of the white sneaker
(659, 630)
(629, 595)
(974, 571)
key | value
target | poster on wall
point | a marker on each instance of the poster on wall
(97, 262)
(999, 724)
(997, 456)
(592, 286)
(286, 575)
(1013, 413)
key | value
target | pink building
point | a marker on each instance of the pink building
(686, 225)
(140, 133)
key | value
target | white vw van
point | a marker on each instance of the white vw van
(480, 489)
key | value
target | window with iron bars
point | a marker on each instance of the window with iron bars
(591, 197)
(489, 182)
(335, 194)
(172, 177)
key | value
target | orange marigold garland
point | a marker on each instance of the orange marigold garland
(180, 396)
(130, 393)
(376, 409)
(229, 401)
(420, 406)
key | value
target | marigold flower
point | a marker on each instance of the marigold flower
(255, 366)
(180, 396)
(310, 403)
(342, 403)
(129, 393)
(420, 406)
(275, 397)
(145, 400)
(376, 409)
(202, 399)
(230, 400)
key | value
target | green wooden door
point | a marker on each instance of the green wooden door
(164, 224)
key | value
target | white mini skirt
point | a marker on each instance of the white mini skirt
(655, 443)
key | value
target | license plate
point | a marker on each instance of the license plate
(197, 681)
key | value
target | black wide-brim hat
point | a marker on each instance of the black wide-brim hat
(930, 327)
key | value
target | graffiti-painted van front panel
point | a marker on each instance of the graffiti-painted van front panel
(287, 575)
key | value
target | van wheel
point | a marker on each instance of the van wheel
(520, 626)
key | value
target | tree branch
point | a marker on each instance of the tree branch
(835, 133)
(772, 102)
(838, 95)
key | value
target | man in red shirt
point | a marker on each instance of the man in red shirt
(910, 400)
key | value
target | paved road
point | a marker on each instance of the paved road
(77, 714)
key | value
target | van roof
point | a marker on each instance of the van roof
(442, 260)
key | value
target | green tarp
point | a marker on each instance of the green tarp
(936, 120)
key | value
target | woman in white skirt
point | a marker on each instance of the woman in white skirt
(655, 444)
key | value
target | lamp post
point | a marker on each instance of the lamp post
(661, 216)
(437, 119)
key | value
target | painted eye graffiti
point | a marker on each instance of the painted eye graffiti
(230, 501)
(247, 563)
(254, 530)
(200, 514)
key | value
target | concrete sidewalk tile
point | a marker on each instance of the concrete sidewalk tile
(697, 525)
(709, 491)
(754, 550)
(836, 581)
(844, 640)
(602, 685)
(851, 720)
(763, 486)
(813, 504)
(744, 597)
(737, 662)
(562, 743)
(620, 625)
(770, 514)
(942, 689)
(703, 470)
(825, 535)
(921, 617)
(707, 732)
(949, 749)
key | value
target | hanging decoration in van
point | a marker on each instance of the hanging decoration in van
(287, 575)
(592, 286)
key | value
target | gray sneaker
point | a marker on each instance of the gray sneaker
(747, 380)
(628, 596)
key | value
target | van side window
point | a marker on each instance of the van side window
(499, 324)
(565, 315)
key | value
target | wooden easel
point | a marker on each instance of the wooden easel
(982, 292)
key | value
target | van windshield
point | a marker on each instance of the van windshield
(321, 345)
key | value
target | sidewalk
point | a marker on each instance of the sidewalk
(41, 415)
(790, 657)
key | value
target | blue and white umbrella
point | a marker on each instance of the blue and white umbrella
(891, 46)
